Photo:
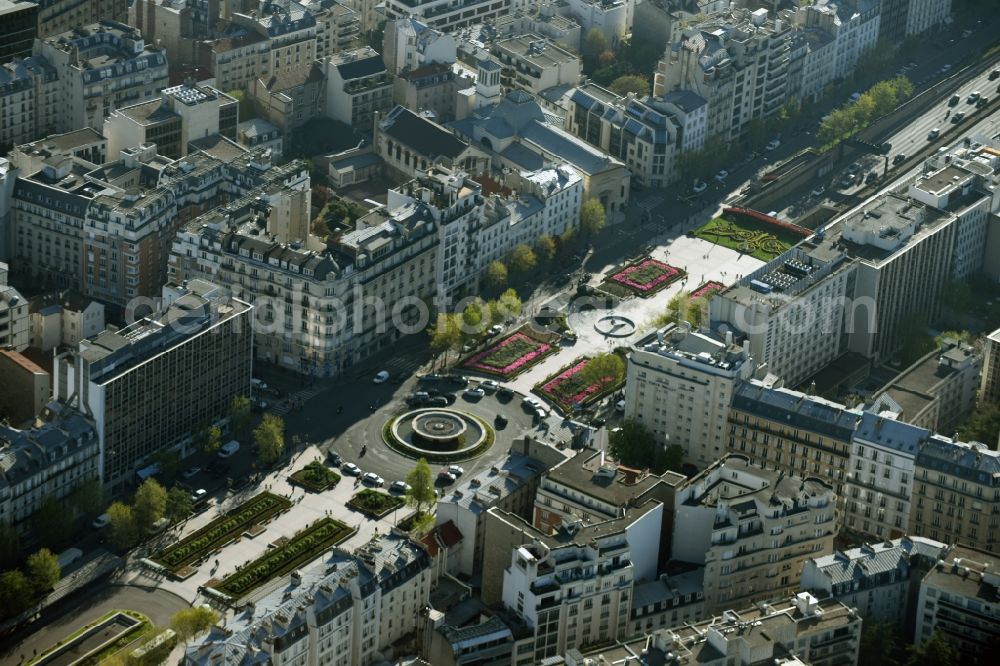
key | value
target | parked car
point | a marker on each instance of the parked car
(899, 159)
(495, 329)
(598, 422)
(699, 187)
(457, 470)
(722, 175)
(400, 487)
(445, 477)
(190, 472)
(772, 144)
(373, 479)
(352, 469)
(489, 385)
(620, 405)
(530, 402)
(933, 134)
(199, 496)
(381, 377)
(500, 421)
(871, 177)
(504, 392)
(334, 458)
(474, 393)
(437, 401)
(418, 398)
(229, 448)
(101, 521)
(819, 191)
(855, 97)
(847, 181)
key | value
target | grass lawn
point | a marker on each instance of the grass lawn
(301, 548)
(197, 545)
(375, 503)
(757, 240)
(510, 356)
(315, 477)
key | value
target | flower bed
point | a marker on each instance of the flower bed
(315, 477)
(375, 503)
(706, 290)
(221, 530)
(511, 356)
(647, 276)
(567, 388)
(301, 548)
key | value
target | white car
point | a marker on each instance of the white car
(818, 192)
(722, 175)
(855, 97)
(199, 495)
(620, 405)
(352, 469)
(973, 97)
(373, 479)
(489, 385)
(933, 134)
(495, 329)
(457, 470)
(101, 521)
(474, 393)
(381, 377)
(228, 449)
(533, 403)
(401, 487)
(699, 187)
(190, 471)
(772, 144)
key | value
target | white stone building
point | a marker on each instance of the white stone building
(409, 44)
(357, 87)
(63, 319)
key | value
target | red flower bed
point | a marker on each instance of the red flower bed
(509, 356)
(646, 276)
(707, 289)
(767, 219)
(568, 388)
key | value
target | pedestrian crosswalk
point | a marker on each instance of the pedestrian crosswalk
(295, 398)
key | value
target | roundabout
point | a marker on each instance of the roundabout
(439, 435)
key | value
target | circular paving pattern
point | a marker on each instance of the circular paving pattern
(439, 435)
(615, 326)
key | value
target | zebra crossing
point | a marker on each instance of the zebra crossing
(296, 397)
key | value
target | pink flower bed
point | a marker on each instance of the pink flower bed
(479, 361)
(651, 272)
(707, 289)
(551, 387)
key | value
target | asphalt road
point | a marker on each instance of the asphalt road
(158, 604)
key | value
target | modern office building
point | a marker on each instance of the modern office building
(793, 432)
(18, 28)
(958, 598)
(679, 384)
(146, 386)
(989, 387)
(956, 493)
(752, 530)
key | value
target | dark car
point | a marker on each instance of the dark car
(598, 422)
(219, 468)
(334, 458)
(505, 393)
(871, 178)
(994, 74)
(500, 421)
(954, 100)
(899, 159)
(437, 401)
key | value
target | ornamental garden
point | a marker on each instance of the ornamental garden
(511, 355)
(644, 278)
(569, 389)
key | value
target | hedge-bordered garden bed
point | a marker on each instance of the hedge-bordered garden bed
(565, 389)
(301, 548)
(644, 277)
(222, 530)
(513, 354)
(374, 503)
(315, 477)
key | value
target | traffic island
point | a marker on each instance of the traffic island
(438, 435)
(97, 641)
(284, 558)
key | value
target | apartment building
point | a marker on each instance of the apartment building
(447, 15)
(937, 392)
(837, 35)
(27, 100)
(925, 15)
(956, 493)
(541, 18)
(148, 384)
(291, 32)
(510, 486)
(752, 530)
(679, 384)
(182, 114)
(355, 610)
(357, 87)
(338, 27)
(880, 476)
(879, 580)
(958, 598)
(239, 58)
(796, 433)
(797, 631)
(989, 387)
(58, 16)
(612, 17)
(86, 143)
(410, 44)
(574, 587)
(25, 390)
(15, 317)
(47, 460)
(737, 60)
(533, 63)
(101, 67)
(410, 143)
(63, 319)
(430, 89)
(290, 98)
(18, 29)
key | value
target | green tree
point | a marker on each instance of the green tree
(916, 341)
(53, 522)
(604, 370)
(169, 461)
(594, 44)
(522, 259)
(376, 36)
(630, 83)
(208, 438)
(496, 275)
(696, 311)
(475, 318)
(507, 306)
(633, 445)
(446, 334)
(983, 424)
(676, 309)
(189, 622)
(10, 546)
(963, 337)
(546, 247)
(122, 526)
(240, 415)
(669, 458)
(421, 494)
(15, 593)
(935, 651)
(179, 504)
(269, 437)
(43, 570)
(881, 645)
(150, 503)
(88, 499)
(591, 217)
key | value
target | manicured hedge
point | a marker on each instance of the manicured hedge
(315, 477)
(375, 503)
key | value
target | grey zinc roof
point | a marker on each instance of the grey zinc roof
(685, 99)
(890, 434)
(357, 69)
(866, 563)
(974, 462)
(796, 409)
(426, 138)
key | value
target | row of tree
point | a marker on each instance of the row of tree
(19, 589)
(151, 502)
(879, 100)
(451, 331)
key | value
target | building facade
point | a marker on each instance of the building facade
(357, 87)
(446, 14)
